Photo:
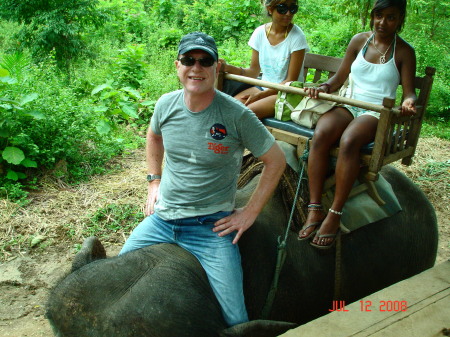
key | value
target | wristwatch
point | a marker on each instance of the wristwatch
(152, 177)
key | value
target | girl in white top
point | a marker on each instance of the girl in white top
(278, 50)
(378, 61)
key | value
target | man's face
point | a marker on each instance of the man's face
(197, 79)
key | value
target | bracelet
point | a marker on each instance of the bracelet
(335, 212)
(327, 85)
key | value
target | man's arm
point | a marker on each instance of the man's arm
(154, 154)
(243, 218)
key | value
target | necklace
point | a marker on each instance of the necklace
(285, 34)
(383, 55)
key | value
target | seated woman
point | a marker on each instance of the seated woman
(278, 50)
(377, 62)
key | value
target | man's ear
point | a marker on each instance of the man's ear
(219, 65)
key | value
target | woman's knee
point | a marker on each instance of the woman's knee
(350, 144)
(323, 139)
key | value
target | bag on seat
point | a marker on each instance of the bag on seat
(286, 103)
(303, 110)
(309, 110)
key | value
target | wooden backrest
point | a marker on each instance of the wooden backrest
(320, 64)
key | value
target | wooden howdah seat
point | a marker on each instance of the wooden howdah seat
(396, 136)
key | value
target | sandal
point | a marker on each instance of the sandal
(325, 236)
(311, 207)
(321, 236)
(304, 228)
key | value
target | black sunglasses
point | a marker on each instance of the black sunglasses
(189, 61)
(283, 8)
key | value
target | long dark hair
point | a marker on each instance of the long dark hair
(379, 5)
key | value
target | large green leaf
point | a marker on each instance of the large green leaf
(12, 175)
(4, 72)
(132, 92)
(28, 163)
(28, 98)
(108, 94)
(129, 109)
(35, 114)
(101, 108)
(13, 155)
(8, 80)
(103, 127)
(100, 88)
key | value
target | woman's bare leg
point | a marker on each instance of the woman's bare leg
(359, 132)
(243, 95)
(265, 107)
(328, 131)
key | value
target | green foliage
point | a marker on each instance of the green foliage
(357, 10)
(57, 135)
(16, 64)
(115, 105)
(13, 114)
(55, 25)
(113, 218)
(130, 68)
(236, 53)
(436, 128)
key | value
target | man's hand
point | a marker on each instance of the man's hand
(152, 196)
(240, 220)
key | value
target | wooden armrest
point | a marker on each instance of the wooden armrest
(387, 103)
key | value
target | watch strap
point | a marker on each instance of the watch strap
(152, 177)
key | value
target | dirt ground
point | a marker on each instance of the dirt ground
(27, 274)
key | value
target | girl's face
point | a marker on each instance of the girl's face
(387, 21)
(283, 12)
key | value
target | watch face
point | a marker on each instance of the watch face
(152, 177)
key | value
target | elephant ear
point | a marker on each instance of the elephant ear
(258, 328)
(91, 250)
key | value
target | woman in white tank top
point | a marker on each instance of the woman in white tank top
(378, 61)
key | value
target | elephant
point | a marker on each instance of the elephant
(162, 290)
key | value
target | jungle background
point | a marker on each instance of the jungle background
(78, 83)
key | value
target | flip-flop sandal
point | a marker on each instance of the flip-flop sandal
(322, 236)
(304, 228)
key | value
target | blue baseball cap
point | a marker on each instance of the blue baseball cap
(198, 40)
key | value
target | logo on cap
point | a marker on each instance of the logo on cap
(199, 40)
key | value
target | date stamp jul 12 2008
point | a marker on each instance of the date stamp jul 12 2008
(368, 306)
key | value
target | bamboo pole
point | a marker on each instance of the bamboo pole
(299, 91)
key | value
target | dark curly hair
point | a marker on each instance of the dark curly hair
(379, 5)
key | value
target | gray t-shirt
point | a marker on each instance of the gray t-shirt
(203, 153)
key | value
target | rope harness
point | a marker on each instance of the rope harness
(281, 248)
(281, 255)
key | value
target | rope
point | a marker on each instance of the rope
(281, 255)
(337, 271)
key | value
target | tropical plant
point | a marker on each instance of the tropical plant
(56, 25)
(13, 114)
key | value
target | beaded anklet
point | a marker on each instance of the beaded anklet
(315, 207)
(334, 212)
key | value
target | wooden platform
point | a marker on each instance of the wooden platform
(416, 307)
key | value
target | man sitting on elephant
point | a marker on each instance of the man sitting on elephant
(203, 133)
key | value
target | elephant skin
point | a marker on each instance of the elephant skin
(162, 290)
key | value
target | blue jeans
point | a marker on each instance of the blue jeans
(218, 256)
